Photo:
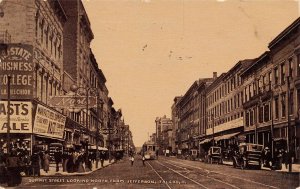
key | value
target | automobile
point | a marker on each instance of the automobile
(215, 155)
(248, 155)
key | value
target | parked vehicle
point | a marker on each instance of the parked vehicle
(215, 155)
(248, 155)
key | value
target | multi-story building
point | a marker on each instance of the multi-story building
(272, 93)
(191, 108)
(224, 107)
(45, 49)
(163, 132)
(32, 55)
(175, 120)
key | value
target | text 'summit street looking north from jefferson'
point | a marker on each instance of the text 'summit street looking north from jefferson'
(149, 94)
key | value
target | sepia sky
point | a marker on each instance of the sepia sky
(153, 50)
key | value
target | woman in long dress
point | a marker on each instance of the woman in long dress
(46, 161)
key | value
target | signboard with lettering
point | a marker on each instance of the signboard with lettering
(20, 117)
(69, 101)
(16, 61)
(48, 122)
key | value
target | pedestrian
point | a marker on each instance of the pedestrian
(156, 154)
(267, 157)
(81, 160)
(287, 158)
(13, 164)
(143, 159)
(3, 172)
(57, 158)
(65, 160)
(35, 163)
(102, 158)
(46, 159)
(132, 160)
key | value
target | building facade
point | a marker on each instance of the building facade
(32, 55)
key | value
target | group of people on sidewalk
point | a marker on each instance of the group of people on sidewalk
(279, 157)
(19, 162)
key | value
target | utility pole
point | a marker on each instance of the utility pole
(8, 114)
(289, 123)
(213, 129)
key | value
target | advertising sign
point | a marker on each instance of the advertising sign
(20, 117)
(48, 122)
(72, 101)
(16, 61)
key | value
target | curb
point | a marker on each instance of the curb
(73, 174)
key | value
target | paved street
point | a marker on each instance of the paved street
(168, 173)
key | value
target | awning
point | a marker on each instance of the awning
(224, 137)
(205, 140)
(93, 147)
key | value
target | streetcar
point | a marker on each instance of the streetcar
(149, 150)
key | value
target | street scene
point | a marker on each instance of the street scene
(149, 94)
(167, 172)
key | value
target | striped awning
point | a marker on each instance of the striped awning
(227, 136)
(205, 141)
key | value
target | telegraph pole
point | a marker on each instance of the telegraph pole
(8, 114)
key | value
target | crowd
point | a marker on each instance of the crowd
(19, 162)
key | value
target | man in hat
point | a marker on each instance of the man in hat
(267, 157)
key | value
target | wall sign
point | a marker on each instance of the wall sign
(20, 117)
(48, 122)
(16, 61)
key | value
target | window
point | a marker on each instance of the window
(290, 67)
(276, 99)
(298, 65)
(269, 80)
(291, 103)
(266, 112)
(276, 75)
(247, 119)
(251, 117)
(282, 74)
(283, 109)
(261, 114)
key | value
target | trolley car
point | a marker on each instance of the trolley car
(149, 150)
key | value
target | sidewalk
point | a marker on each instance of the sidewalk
(52, 169)
(295, 167)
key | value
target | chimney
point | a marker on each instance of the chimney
(215, 75)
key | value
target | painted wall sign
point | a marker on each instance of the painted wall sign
(48, 122)
(20, 117)
(16, 61)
